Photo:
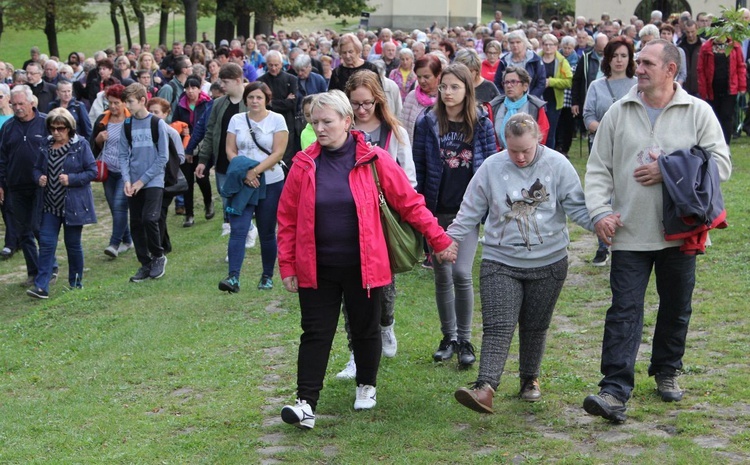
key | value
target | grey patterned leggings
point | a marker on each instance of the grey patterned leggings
(510, 296)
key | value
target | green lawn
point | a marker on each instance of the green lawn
(173, 371)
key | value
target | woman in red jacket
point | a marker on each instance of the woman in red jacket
(331, 246)
(720, 78)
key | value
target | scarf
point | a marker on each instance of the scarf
(424, 99)
(511, 108)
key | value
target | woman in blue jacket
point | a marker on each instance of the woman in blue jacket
(64, 168)
(450, 144)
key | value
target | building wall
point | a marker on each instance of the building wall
(411, 14)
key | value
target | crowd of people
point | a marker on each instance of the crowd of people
(454, 127)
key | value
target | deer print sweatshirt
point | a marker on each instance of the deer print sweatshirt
(526, 208)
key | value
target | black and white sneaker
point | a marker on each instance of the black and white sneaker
(601, 257)
(37, 293)
(142, 274)
(158, 267)
(300, 415)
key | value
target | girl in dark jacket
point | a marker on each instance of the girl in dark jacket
(65, 168)
(190, 108)
(450, 144)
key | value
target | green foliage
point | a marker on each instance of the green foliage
(70, 15)
(729, 27)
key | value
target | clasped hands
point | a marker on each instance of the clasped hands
(63, 180)
(449, 254)
(606, 227)
(252, 178)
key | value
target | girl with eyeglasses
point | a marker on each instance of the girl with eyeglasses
(517, 99)
(64, 168)
(450, 144)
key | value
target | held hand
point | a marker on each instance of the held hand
(251, 179)
(199, 170)
(606, 227)
(290, 284)
(42, 180)
(128, 189)
(575, 110)
(64, 179)
(291, 96)
(450, 254)
(188, 158)
(650, 173)
(137, 186)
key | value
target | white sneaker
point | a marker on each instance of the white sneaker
(390, 345)
(111, 251)
(124, 247)
(252, 235)
(226, 228)
(300, 415)
(350, 370)
(365, 397)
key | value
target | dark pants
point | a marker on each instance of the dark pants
(26, 205)
(723, 106)
(204, 183)
(166, 242)
(320, 315)
(145, 210)
(11, 236)
(629, 276)
(566, 128)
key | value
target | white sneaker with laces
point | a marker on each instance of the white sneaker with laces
(252, 235)
(390, 345)
(350, 370)
(366, 398)
(300, 415)
(226, 228)
(124, 247)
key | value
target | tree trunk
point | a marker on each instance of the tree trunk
(243, 21)
(224, 27)
(516, 9)
(127, 26)
(163, 23)
(141, 21)
(263, 25)
(113, 18)
(2, 23)
(191, 20)
(50, 29)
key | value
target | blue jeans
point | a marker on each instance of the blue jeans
(553, 116)
(220, 178)
(629, 276)
(265, 217)
(48, 234)
(118, 206)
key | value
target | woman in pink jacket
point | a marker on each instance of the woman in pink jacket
(331, 247)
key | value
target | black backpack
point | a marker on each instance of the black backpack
(172, 171)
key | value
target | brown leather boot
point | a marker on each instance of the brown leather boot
(530, 391)
(477, 398)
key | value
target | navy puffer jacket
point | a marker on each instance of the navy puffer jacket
(426, 153)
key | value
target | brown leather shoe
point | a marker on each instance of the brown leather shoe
(478, 398)
(530, 391)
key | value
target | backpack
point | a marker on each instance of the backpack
(491, 115)
(172, 170)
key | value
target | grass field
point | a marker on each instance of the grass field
(173, 371)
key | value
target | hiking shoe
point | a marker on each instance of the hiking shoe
(252, 236)
(29, 281)
(445, 350)
(667, 387)
(158, 267)
(350, 370)
(210, 213)
(265, 283)
(111, 251)
(477, 397)
(124, 247)
(142, 274)
(226, 228)
(54, 275)
(427, 263)
(6, 253)
(300, 415)
(530, 391)
(607, 406)
(388, 336)
(366, 398)
(189, 221)
(179, 210)
(601, 257)
(230, 284)
(37, 293)
(466, 357)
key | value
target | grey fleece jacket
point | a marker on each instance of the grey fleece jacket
(526, 209)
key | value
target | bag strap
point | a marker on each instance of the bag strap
(252, 134)
(381, 197)
(127, 129)
(612, 94)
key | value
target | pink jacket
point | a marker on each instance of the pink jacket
(296, 214)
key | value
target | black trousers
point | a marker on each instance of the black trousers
(145, 209)
(723, 106)
(320, 316)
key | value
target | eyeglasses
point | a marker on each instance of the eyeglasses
(57, 129)
(453, 88)
(511, 83)
(364, 105)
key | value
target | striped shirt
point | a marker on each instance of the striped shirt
(54, 193)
